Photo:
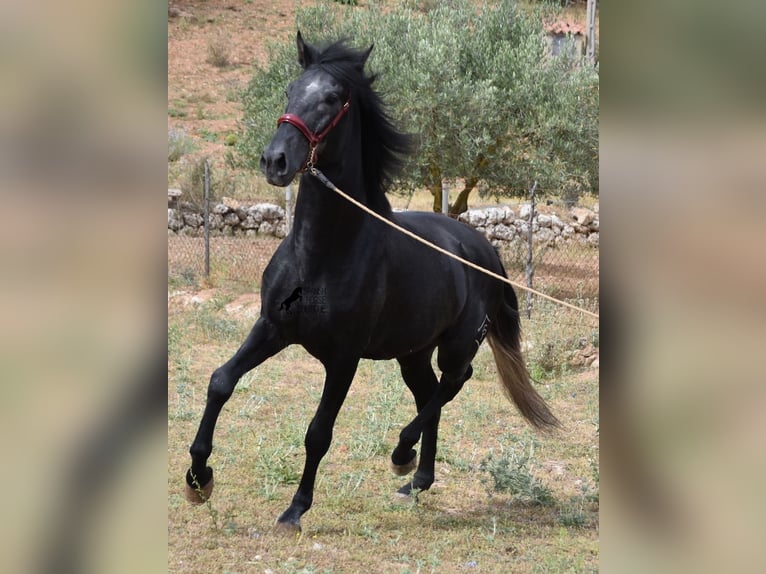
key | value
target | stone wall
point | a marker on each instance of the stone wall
(229, 220)
(501, 225)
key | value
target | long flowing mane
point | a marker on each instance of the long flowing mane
(383, 145)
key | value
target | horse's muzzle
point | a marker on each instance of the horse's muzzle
(274, 166)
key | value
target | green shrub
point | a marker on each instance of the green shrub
(511, 472)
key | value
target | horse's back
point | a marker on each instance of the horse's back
(452, 235)
(426, 293)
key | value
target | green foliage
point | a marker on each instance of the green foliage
(580, 509)
(512, 472)
(208, 136)
(477, 87)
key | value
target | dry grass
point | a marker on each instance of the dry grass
(459, 525)
(219, 51)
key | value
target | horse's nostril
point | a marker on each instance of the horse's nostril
(274, 164)
(281, 164)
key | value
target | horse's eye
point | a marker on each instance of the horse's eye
(331, 99)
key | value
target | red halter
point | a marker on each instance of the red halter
(314, 139)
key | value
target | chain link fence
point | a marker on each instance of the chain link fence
(236, 260)
(564, 269)
(568, 271)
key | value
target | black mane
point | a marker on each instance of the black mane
(383, 146)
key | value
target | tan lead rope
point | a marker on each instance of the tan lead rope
(321, 177)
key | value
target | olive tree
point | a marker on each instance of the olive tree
(488, 106)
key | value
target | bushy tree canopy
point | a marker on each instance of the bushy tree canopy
(488, 104)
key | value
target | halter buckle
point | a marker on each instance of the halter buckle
(314, 139)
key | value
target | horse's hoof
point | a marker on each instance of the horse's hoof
(406, 468)
(195, 493)
(287, 528)
(400, 499)
(405, 495)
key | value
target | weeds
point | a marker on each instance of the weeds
(579, 511)
(179, 144)
(218, 328)
(512, 473)
(370, 439)
(551, 339)
(219, 51)
(573, 514)
(208, 136)
(276, 466)
(184, 410)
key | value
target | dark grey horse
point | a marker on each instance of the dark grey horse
(382, 294)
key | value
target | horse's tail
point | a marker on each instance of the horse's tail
(504, 339)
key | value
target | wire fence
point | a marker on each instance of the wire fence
(564, 269)
(568, 271)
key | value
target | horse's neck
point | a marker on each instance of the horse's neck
(324, 221)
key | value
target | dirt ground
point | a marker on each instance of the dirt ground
(208, 94)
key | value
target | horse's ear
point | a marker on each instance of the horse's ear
(366, 55)
(305, 52)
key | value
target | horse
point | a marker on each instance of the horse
(383, 295)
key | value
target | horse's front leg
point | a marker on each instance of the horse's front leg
(318, 439)
(261, 343)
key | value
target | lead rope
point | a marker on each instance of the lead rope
(321, 177)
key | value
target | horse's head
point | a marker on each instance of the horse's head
(312, 125)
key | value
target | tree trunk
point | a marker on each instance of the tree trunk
(461, 202)
(435, 186)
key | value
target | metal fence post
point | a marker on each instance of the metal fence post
(445, 198)
(530, 268)
(206, 208)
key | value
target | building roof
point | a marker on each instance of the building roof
(564, 27)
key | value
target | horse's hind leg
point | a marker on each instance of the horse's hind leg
(261, 343)
(421, 380)
(455, 355)
(446, 390)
